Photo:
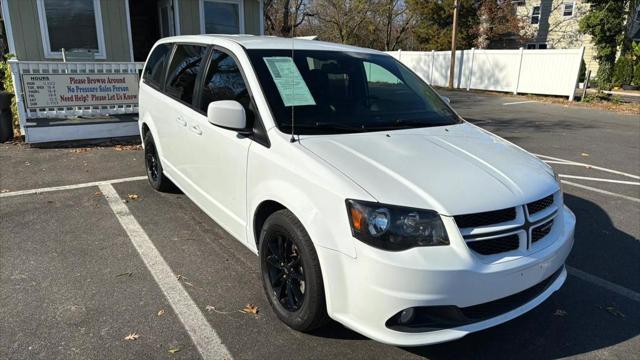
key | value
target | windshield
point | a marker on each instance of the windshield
(345, 92)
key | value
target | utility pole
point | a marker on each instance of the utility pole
(454, 34)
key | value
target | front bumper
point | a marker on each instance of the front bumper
(365, 292)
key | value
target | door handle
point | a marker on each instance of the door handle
(196, 129)
(181, 121)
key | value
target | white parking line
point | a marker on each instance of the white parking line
(203, 335)
(585, 187)
(555, 160)
(630, 294)
(521, 102)
(71, 187)
(599, 179)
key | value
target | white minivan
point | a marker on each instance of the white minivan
(366, 197)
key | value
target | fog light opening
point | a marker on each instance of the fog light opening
(406, 316)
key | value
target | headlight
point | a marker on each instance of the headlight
(395, 228)
(557, 177)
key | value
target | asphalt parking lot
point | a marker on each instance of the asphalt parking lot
(82, 266)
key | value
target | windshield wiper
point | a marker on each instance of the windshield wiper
(327, 126)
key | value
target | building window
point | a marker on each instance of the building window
(518, 2)
(73, 25)
(535, 15)
(533, 46)
(222, 16)
(568, 9)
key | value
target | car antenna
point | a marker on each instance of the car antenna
(293, 88)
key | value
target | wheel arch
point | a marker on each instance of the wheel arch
(260, 215)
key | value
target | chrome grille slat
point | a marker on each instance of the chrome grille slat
(541, 231)
(485, 218)
(539, 205)
(489, 241)
(495, 245)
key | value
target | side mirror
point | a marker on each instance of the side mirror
(446, 99)
(228, 114)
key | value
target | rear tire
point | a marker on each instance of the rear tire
(155, 174)
(291, 273)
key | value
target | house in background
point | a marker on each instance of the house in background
(106, 41)
(118, 30)
(554, 24)
(634, 28)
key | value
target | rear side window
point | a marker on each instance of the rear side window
(223, 81)
(183, 71)
(154, 71)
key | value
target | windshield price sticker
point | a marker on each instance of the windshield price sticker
(291, 86)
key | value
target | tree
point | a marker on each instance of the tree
(434, 20)
(605, 22)
(282, 17)
(395, 21)
(499, 23)
(341, 20)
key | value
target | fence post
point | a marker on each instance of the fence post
(585, 85)
(433, 61)
(473, 55)
(575, 83)
(17, 88)
(515, 89)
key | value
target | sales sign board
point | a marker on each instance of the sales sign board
(65, 90)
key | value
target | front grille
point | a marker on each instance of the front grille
(495, 245)
(540, 205)
(541, 231)
(485, 218)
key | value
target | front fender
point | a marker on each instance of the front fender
(306, 185)
(326, 226)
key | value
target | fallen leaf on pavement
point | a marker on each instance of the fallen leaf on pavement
(133, 197)
(250, 309)
(173, 349)
(161, 312)
(79, 150)
(132, 336)
(560, 312)
(211, 308)
(128, 274)
(127, 147)
(98, 193)
(615, 312)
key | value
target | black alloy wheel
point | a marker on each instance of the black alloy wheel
(152, 163)
(290, 272)
(285, 270)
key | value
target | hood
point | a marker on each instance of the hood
(454, 170)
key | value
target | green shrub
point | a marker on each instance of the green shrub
(636, 75)
(623, 71)
(604, 77)
(7, 84)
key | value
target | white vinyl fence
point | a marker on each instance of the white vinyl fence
(544, 72)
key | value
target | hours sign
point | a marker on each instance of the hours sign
(65, 90)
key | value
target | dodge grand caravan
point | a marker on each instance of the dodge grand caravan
(366, 197)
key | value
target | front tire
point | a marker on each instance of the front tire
(291, 273)
(155, 174)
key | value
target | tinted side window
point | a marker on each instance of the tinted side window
(224, 81)
(154, 71)
(183, 71)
